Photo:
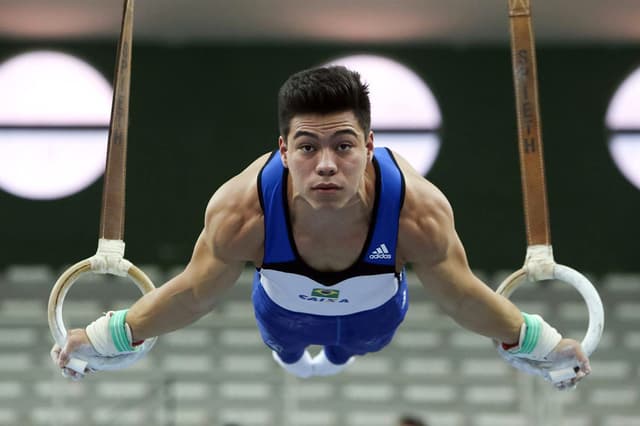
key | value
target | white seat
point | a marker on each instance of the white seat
(417, 339)
(626, 396)
(464, 339)
(22, 309)
(30, 275)
(118, 415)
(190, 390)
(493, 368)
(248, 364)
(20, 361)
(11, 390)
(122, 390)
(175, 363)
(631, 340)
(490, 395)
(627, 312)
(621, 283)
(431, 394)
(60, 388)
(616, 370)
(425, 366)
(368, 392)
(8, 416)
(621, 420)
(245, 391)
(55, 415)
(241, 337)
(189, 338)
(372, 365)
(18, 337)
(314, 391)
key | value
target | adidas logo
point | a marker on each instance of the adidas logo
(382, 252)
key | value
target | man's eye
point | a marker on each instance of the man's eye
(345, 146)
(306, 148)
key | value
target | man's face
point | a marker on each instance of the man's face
(326, 155)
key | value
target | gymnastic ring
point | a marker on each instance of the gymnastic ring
(580, 283)
(59, 332)
(586, 290)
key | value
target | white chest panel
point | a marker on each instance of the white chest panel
(299, 293)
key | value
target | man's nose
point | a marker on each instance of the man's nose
(327, 165)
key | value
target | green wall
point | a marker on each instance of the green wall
(200, 114)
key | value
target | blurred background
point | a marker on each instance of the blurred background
(203, 105)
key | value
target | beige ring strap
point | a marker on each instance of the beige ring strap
(525, 81)
(109, 258)
(539, 263)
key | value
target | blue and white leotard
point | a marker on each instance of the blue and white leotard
(349, 312)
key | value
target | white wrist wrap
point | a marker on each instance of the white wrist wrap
(101, 338)
(537, 339)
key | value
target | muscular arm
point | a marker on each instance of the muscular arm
(232, 235)
(429, 242)
(186, 297)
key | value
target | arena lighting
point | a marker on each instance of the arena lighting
(623, 121)
(404, 113)
(54, 118)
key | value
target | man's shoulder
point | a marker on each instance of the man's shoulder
(234, 218)
(241, 189)
(426, 220)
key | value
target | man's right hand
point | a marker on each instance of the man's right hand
(77, 343)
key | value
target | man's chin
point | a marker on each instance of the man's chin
(326, 203)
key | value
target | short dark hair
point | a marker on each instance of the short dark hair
(324, 90)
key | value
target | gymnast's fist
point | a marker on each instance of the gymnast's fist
(77, 343)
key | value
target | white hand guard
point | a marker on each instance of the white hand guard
(111, 338)
(537, 341)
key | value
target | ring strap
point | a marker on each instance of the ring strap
(529, 133)
(113, 192)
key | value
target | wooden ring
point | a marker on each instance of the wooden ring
(56, 323)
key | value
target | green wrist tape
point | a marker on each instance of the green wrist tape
(532, 333)
(117, 327)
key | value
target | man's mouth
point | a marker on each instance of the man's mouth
(326, 187)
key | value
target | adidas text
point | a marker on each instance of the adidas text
(374, 256)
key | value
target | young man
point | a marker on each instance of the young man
(329, 223)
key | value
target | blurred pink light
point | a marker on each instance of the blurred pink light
(400, 102)
(51, 89)
(624, 114)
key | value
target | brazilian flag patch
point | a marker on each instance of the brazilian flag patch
(323, 292)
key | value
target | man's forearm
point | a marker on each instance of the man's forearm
(163, 310)
(490, 315)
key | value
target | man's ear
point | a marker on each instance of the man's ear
(369, 145)
(282, 147)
